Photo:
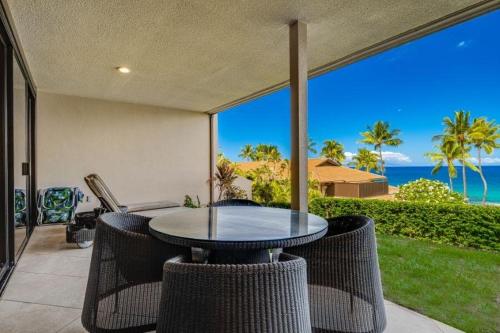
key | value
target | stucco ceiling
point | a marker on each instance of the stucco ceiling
(197, 54)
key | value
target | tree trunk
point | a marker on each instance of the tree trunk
(382, 169)
(449, 163)
(485, 185)
(451, 180)
(464, 177)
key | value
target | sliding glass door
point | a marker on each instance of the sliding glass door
(21, 166)
(4, 229)
(17, 153)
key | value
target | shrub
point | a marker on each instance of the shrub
(188, 202)
(268, 186)
(461, 225)
(426, 190)
(225, 177)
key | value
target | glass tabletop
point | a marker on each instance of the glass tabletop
(238, 224)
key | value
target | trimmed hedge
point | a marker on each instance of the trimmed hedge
(461, 225)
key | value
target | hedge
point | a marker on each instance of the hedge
(461, 225)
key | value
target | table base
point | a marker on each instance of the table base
(239, 256)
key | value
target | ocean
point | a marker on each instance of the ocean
(401, 175)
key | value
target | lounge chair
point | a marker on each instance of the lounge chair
(110, 203)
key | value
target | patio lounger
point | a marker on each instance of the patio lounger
(109, 201)
(20, 207)
(58, 204)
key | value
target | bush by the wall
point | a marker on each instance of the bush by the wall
(461, 225)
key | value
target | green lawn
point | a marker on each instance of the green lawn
(460, 287)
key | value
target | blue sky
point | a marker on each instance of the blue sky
(412, 87)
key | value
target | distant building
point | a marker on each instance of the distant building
(336, 180)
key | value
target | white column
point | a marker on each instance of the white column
(299, 142)
(213, 154)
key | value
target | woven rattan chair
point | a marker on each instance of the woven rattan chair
(235, 202)
(345, 293)
(124, 284)
(254, 298)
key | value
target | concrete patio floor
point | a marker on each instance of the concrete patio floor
(46, 291)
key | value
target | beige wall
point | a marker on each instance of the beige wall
(143, 153)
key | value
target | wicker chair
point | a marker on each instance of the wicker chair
(345, 292)
(235, 202)
(123, 289)
(207, 298)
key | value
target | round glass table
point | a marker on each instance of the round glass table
(236, 234)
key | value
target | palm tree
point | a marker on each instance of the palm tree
(447, 152)
(365, 159)
(264, 152)
(247, 153)
(484, 135)
(274, 154)
(310, 146)
(381, 135)
(457, 131)
(333, 150)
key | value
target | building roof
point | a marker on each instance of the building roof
(323, 170)
(208, 55)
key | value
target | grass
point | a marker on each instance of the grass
(458, 286)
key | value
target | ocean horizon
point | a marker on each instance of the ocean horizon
(398, 175)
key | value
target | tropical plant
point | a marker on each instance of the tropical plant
(271, 186)
(311, 146)
(267, 185)
(426, 190)
(381, 135)
(484, 135)
(457, 131)
(221, 158)
(313, 189)
(265, 152)
(188, 202)
(365, 159)
(333, 150)
(447, 152)
(225, 177)
(247, 153)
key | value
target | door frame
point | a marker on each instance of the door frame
(4, 206)
(11, 53)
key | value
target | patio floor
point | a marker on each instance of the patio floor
(46, 291)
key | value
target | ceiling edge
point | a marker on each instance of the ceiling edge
(444, 22)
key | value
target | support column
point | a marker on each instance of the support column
(298, 87)
(213, 154)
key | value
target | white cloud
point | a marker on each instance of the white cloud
(463, 43)
(389, 157)
(395, 158)
(348, 156)
(486, 160)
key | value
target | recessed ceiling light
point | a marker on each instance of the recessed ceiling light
(123, 70)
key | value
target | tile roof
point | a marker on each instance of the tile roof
(323, 170)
